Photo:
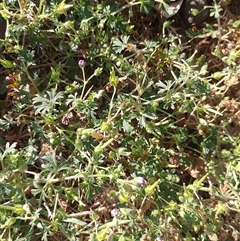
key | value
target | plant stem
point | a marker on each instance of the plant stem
(84, 83)
(111, 103)
(25, 69)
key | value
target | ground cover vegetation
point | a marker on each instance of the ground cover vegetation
(118, 124)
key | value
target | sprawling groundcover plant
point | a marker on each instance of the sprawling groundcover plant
(116, 123)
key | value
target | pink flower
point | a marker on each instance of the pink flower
(114, 212)
(159, 239)
(81, 63)
(141, 181)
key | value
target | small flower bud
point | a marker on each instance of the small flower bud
(81, 63)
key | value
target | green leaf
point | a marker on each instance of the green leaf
(127, 127)
(122, 151)
(115, 223)
(7, 64)
(98, 71)
(106, 126)
(27, 57)
(123, 197)
(62, 8)
(197, 184)
(237, 150)
(89, 193)
(18, 209)
(102, 234)
(100, 148)
(9, 223)
(120, 45)
(113, 79)
(149, 190)
(218, 75)
(94, 216)
(75, 221)
(46, 104)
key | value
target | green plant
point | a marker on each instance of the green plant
(113, 129)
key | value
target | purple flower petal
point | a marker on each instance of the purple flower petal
(141, 181)
(114, 212)
(81, 63)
